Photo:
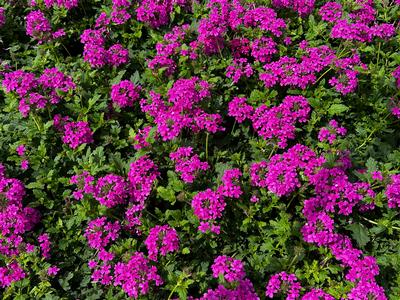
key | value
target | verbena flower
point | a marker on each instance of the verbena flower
(77, 133)
(136, 276)
(161, 240)
(231, 269)
(125, 93)
(187, 164)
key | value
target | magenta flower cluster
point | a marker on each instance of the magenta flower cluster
(95, 52)
(233, 273)
(171, 48)
(230, 186)
(187, 164)
(223, 15)
(161, 240)
(44, 243)
(359, 25)
(286, 71)
(291, 286)
(281, 175)
(16, 220)
(334, 194)
(156, 13)
(142, 174)
(111, 190)
(393, 191)
(37, 93)
(68, 4)
(182, 109)
(209, 205)
(136, 275)
(347, 81)
(239, 109)
(21, 152)
(84, 183)
(39, 27)
(100, 233)
(278, 123)
(330, 133)
(2, 16)
(231, 269)
(120, 11)
(125, 93)
(76, 134)
(290, 71)
(243, 290)
(302, 7)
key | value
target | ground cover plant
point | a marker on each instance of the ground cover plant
(220, 149)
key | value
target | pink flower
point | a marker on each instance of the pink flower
(393, 191)
(77, 133)
(37, 26)
(331, 12)
(377, 175)
(161, 239)
(24, 164)
(330, 133)
(239, 109)
(2, 16)
(117, 55)
(44, 243)
(53, 270)
(100, 233)
(208, 206)
(85, 184)
(243, 290)
(125, 93)
(142, 174)
(275, 282)
(231, 269)
(111, 190)
(230, 184)
(188, 164)
(21, 150)
(11, 273)
(277, 123)
(136, 275)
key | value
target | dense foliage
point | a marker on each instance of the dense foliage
(178, 149)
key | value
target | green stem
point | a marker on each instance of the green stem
(173, 290)
(233, 127)
(375, 223)
(272, 151)
(292, 262)
(323, 74)
(207, 134)
(66, 49)
(370, 135)
(36, 122)
(379, 51)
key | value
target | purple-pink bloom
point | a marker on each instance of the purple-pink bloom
(125, 93)
(231, 269)
(161, 240)
(77, 133)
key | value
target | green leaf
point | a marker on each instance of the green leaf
(337, 109)
(359, 233)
